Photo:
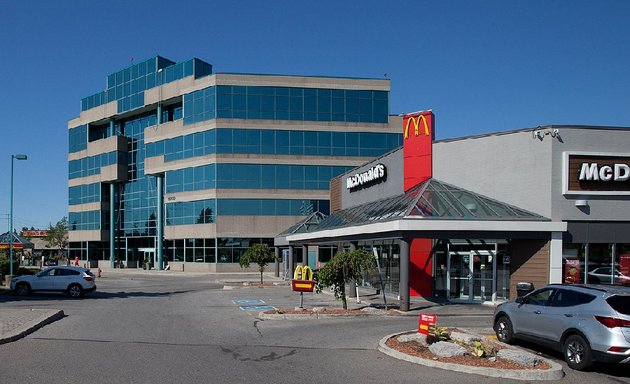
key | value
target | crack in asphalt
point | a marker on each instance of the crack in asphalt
(256, 327)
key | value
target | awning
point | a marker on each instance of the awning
(433, 209)
(19, 242)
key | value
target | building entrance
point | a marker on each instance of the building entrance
(471, 275)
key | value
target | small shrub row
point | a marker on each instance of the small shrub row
(5, 268)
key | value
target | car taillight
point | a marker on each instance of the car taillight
(612, 322)
(617, 349)
(87, 278)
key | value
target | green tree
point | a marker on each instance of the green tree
(345, 266)
(58, 235)
(260, 254)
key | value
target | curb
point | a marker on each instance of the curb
(313, 316)
(48, 316)
(554, 373)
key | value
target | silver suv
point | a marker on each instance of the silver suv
(585, 322)
(74, 281)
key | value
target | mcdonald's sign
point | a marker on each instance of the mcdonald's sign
(415, 122)
(418, 134)
(302, 279)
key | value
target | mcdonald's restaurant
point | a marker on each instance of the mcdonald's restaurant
(470, 219)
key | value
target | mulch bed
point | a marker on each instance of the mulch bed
(326, 311)
(413, 348)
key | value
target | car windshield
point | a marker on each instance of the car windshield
(620, 303)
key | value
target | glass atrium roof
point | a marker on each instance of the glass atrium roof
(429, 200)
(306, 225)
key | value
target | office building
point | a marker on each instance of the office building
(173, 164)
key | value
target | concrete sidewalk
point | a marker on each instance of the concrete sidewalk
(16, 323)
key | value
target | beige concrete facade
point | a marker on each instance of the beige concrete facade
(109, 173)
(203, 194)
(94, 235)
(86, 207)
(197, 231)
(157, 165)
(110, 144)
(177, 128)
(189, 84)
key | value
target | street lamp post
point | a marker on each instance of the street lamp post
(13, 157)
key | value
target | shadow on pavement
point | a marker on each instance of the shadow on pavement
(98, 295)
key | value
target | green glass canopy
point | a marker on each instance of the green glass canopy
(312, 221)
(430, 200)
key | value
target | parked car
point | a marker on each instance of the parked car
(586, 323)
(602, 275)
(74, 281)
(50, 262)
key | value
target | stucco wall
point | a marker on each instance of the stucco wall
(392, 185)
(514, 168)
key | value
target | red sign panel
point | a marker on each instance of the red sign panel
(418, 135)
(36, 233)
(427, 324)
(572, 271)
(624, 264)
(302, 285)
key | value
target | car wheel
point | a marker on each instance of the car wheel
(22, 289)
(75, 290)
(577, 353)
(503, 329)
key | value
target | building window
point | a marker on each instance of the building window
(274, 142)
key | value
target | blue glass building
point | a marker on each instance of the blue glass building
(174, 163)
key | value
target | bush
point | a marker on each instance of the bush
(342, 268)
(260, 254)
(5, 267)
(26, 271)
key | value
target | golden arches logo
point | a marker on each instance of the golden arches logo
(303, 273)
(303, 280)
(415, 120)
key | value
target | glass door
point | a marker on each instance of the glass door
(460, 276)
(471, 275)
(481, 265)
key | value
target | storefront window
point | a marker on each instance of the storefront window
(596, 263)
(600, 264)
(622, 264)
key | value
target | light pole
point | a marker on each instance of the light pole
(13, 157)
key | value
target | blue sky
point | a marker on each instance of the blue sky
(482, 66)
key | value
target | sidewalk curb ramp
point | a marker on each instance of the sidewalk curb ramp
(554, 373)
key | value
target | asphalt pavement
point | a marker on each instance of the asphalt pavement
(19, 322)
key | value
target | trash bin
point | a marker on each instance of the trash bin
(523, 288)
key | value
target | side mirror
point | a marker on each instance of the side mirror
(519, 300)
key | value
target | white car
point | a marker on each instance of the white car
(603, 275)
(74, 281)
